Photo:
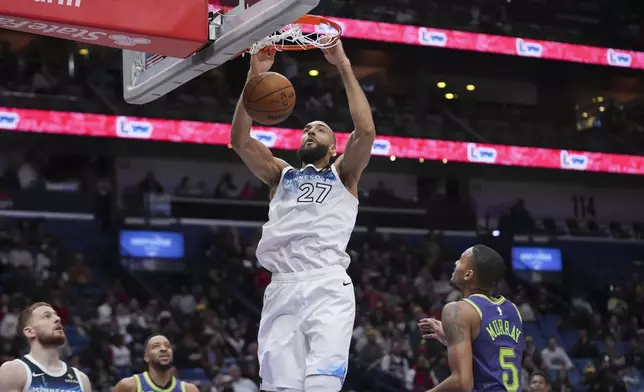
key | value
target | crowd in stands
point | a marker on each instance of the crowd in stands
(96, 86)
(211, 315)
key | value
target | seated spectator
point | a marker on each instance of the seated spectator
(554, 357)
(79, 273)
(538, 383)
(525, 310)
(616, 304)
(9, 323)
(584, 348)
(120, 356)
(371, 351)
(395, 365)
(530, 350)
(239, 383)
(20, 256)
(613, 352)
(562, 384)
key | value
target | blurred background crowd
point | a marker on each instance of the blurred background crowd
(573, 240)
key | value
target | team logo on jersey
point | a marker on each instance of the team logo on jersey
(70, 379)
(267, 138)
(133, 129)
(432, 37)
(9, 120)
(528, 49)
(573, 161)
(381, 147)
(481, 154)
(618, 59)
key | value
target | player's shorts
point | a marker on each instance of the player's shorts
(306, 327)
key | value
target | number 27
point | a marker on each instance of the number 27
(307, 192)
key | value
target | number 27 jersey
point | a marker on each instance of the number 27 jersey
(310, 220)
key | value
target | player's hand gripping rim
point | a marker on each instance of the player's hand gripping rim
(435, 328)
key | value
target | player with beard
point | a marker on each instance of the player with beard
(309, 306)
(158, 356)
(483, 334)
(41, 370)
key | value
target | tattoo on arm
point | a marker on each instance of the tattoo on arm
(452, 325)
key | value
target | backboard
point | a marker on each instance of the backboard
(148, 76)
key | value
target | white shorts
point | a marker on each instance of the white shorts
(306, 327)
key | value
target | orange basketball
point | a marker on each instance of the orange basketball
(269, 98)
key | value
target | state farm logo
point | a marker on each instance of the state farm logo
(73, 33)
(124, 40)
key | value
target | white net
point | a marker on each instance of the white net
(294, 37)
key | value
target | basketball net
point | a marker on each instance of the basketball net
(308, 32)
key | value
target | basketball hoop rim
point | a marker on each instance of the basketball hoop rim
(313, 20)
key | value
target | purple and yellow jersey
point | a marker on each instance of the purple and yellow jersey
(498, 349)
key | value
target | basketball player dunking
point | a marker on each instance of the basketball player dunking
(158, 356)
(41, 370)
(483, 335)
(309, 306)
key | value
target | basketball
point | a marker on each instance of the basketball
(269, 98)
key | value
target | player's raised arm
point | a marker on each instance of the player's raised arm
(256, 156)
(458, 319)
(358, 149)
(13, 377)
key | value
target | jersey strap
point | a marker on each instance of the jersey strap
(145, 384)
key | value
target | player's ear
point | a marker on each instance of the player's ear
(332, 150)
(29, 332)
(468, 274)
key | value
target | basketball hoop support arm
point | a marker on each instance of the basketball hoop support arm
(231, 34)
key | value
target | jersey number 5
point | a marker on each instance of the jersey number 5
(308, 189)
(510, 372)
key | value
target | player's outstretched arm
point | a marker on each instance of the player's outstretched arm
(125, 385)
(458, 319)
(191, 388)
(256, 156)
(358, 149)
(12, 377)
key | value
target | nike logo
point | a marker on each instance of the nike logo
(346, 283)
(37, 374)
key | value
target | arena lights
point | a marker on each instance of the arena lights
(83, 52)
(602, 109)
(314, 72)
(470, 87)
(441, 84)
(137, 128)
(450, 96)
(421, 160)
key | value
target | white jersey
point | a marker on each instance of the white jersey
(310, 220)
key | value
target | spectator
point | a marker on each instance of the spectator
(184, 301)
(106, 309)
(371, 351)
(539, 382)
(584, 348)
(120, 356)
(562, 384)
(525, 310)
(395, 364)
(239, 383)
(79, 273)
(554, 357)
(616, 304)
(9, 323)
(20, 257)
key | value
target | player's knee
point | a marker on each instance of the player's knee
(322, 383)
